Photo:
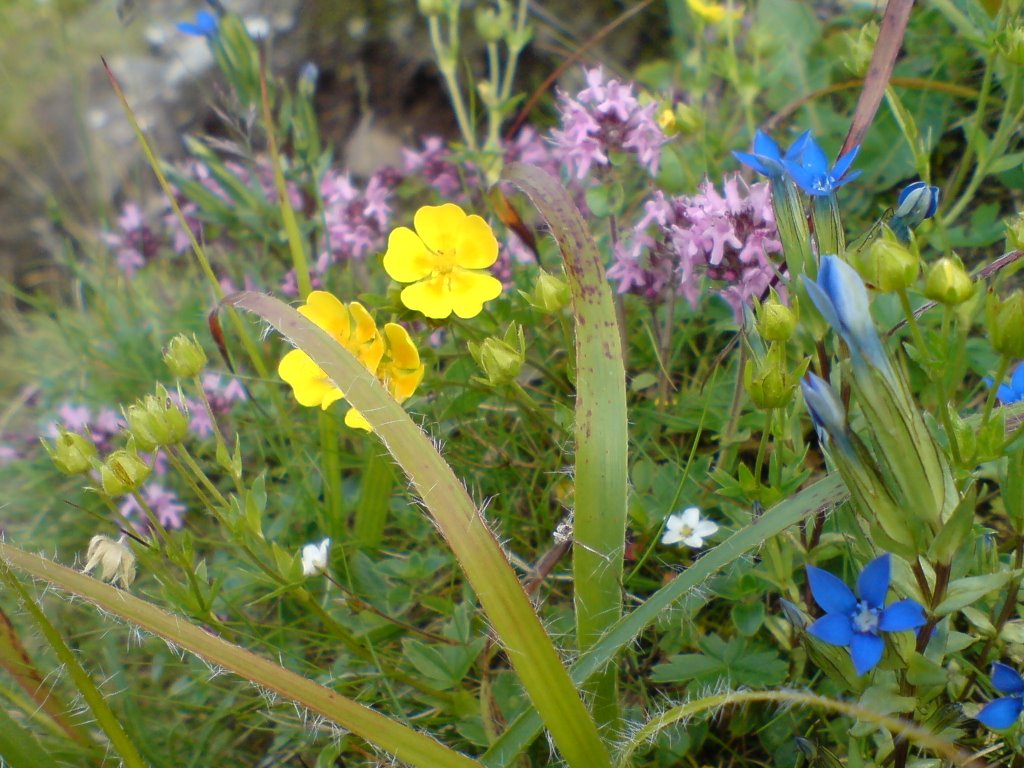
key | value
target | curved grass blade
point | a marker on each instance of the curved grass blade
(410, 746)
(826, 492)
(601, 437)
(18, 747)
(509, 610)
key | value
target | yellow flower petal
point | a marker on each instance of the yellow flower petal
(439, 226)
(309, 383)
(476, 248)
(355, 420)
(328, 312)
(365, 342)
(402, 387)
(407, 258)
(430, 296)
(401, 351)
(469, 291)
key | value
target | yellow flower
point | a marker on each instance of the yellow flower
(444, 260)
(400, 371)
(350, 326)
(714, 13)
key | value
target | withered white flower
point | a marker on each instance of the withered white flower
(114, 559)
(314, 558)
(688, 528)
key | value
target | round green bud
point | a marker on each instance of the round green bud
(431, 7)
(490, 24)
(184, 356)
(889, 266)
(71, 453)
(769, 382)
(123, 471)
(501, 359)
(776, 321)
(948, 282)
(1006, 324)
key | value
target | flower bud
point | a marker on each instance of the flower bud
(123, 471)
(115, 560)
(1006, 324)
(948, 282)
(1015, 233)
(501, 359)
(184, 356)
(889, 266)
(431, 7)
(769, 383)
(156, 421)
(491, 23)
(917, 202)
(550, 294)
(1011, 45)
(71, 453)
(860, 46)
(776, 321)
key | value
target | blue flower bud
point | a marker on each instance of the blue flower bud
(825, 408)
(917, 202)
(840, 296)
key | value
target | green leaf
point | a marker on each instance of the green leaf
(736, 662)
(965, 591)
(19, 747)
(748, 617)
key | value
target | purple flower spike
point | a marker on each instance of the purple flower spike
(205, 25)
(1002, 713)
(856, 623)
(807, 165)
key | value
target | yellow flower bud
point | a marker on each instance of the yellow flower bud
(776, 321)
(123, 471)
(501, 359)
(1006, 324)
(71, 453)
(888, 265)
(948, 282)
(184, 356)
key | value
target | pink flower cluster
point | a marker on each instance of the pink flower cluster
(133, 242)
(101, 427)
(606, 117)
(166, 505)
(726, 238)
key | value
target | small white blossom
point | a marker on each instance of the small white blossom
(115, 560)
(688, 527)
(314, 558)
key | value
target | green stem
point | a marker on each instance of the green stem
(915, 329)
(762, 446)
(446, 58)
(330, 465)
(990, 401)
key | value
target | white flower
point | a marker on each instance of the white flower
(115, 560)
(688, 527)
(314, 558)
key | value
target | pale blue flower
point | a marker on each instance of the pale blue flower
(808, 167)
(767, 158)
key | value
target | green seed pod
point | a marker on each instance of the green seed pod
(184, 356)
(550, 294)
(770, 383)
(71, 453)
(156, 421)
(123, 471)
(501, 359)
(776, 321)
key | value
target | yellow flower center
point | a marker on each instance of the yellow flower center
(444, 261)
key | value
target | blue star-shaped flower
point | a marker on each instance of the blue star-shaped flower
(1002, 713)
(1013, 392)
(855, 623)
(808, 167)
(205, 25)
(767, 158)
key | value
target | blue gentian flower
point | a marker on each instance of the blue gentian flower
(205, 25)
(826, 411)
(855, 623)
(767, 158)
(1013, 392)
(917, 202)
(841, 297)
(1002, 713)
(808, 167)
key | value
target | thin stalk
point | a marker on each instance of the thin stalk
(330, 468)
(446, 58)
(990, 401)
(763, 445)
(915, 329)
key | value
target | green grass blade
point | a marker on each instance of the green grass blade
(410, 746)
(19, 748)
(601, 438)
(510, 612)
(105, 718)
(825, 492)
